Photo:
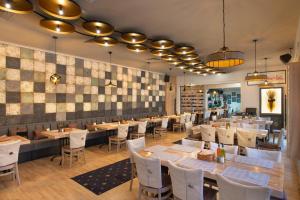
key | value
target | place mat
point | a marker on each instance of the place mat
(243, 175)
(255, 161)
(197, 164)
(229, 156)
(166, 156)
(156, 148)
(183, 148)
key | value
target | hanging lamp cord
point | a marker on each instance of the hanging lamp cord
(255, 54)
(224, 24)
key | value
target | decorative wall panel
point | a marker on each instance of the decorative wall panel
(27, 95)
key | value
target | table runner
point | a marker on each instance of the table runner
(197, 164)
(255, 161)
(166, 156)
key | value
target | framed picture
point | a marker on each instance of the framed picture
(271, 101)
(274, 77)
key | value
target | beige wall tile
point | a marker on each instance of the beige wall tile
(12, 74)
(70, 89)
(70, 79)
(70, 107)
(101, 98)
(13, 109)
(61, 88)
(79, 98)
(87, 64)
(26, 97)
(70, 60)
(2, 61)
(70, 70)
(50, 107)
(61, 107)
(39, 98)
(2, 97)
(13, 51)
(50, 67)
(26, 86)
(39, 66)
(26, 64)
(94, 90)
(87, 89)
(50, 87)
(39, 55)
(94, 106)
(87, 80)
(61, 59)
(87, 106)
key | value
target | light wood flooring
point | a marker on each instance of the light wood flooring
(46, 180)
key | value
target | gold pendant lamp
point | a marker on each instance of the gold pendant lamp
(16, 6)
(225, 57)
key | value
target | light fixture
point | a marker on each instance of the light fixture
(182, 50)
(184, 87)
(16, 6)
(225, 57)
(133, 38)
(110, 83)
(255, 77)
(171, 86)
(266, 82)
(136, 47)
(68, 10)
(149, 85)
(169, 57)
(159, 52)
(55, 78)
(176, 62)
(189, 57)
(106, 41)
(98, 28)
(162, 44)
(57, 26)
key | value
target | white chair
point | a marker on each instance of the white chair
(250, 126)
(230, 190)
(264, 154)
(76, 147)
(120, 138)
(246, 138)
(193, 118)
(187, 184)
(142, 127)
(179, 125)
(188, 117)
(232, 149)
(192, 143)
(226, 136)
(188, 128)
(9, 156)
(135, 145)
(261, 124)
(163, 129)
(208, 133)
(153, 184)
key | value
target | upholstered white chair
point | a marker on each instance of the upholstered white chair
(264, 154)
(231, 190)
(9, 155)
(76, 147)
(153, 184)
(135, 145)
(193, 143)
(179, 125)
(163, 129)
(261, 124)
(120, 138)
(208, 133)
(250, 126)
(142, 127)
(246, 138)
(226, 136)
(187, 184)
(232, 149)
(193, 118)
(188, 128)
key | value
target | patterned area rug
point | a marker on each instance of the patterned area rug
(103, 179)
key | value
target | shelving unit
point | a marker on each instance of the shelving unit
(192, 99)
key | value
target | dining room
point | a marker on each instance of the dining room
(149, 100)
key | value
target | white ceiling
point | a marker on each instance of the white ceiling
(195, 22)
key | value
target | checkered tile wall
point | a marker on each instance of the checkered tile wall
(27, 95)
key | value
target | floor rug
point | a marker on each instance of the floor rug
(103, 179)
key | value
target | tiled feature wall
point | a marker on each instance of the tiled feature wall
(27, 95)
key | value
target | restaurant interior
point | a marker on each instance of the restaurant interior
(149, 100)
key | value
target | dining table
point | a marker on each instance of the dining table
(241, 168)
(23, 140)
(114, 125)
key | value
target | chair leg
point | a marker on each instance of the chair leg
(140, 192)
(62, 157)
(109, 145)
(83, 155)
(159, 194)
(71, 158)
(132, 177)
(118, 146)
(17, 174)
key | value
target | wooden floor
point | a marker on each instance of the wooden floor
(46, 180)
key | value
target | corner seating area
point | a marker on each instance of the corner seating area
(41, 146)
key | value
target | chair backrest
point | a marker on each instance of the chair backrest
(123, 130)
(250, 126)
(187, 184)
(234, 125)
(188, 117)
(226, 136)
(188, 128)
(246, 138)
(232, 149)
(148, 171)
(260, 123)
(193, 117)
(230, 190)
(206, 114)
(182, 119)
(164, 122)
(192, 143)
(280, 138)
(208, 133)
(142, 126)
(9, 152)
(77, 138)
(135, 146)
(264, 154)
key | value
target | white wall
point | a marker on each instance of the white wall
(249, 94)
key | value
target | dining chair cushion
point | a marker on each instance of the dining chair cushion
(246, 138)
(123, 130)
(142, 126)
(77, 138)
(9, 152)
(135, 145)
(226, 136)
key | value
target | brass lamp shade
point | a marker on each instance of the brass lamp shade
(63, 9)
(162, 44)
(106, 41)
(57, 26)
(193, 62)
(176, 62)
(225, 58)
(256, 77)
(181, 67)
(189, 69)
(189, 57)
(133, 38)
(159, 52)
(98, 28)
(16, 6)
(55, 78)
(183, 50)
(136, 47)
(169, 57)
(200, 66)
